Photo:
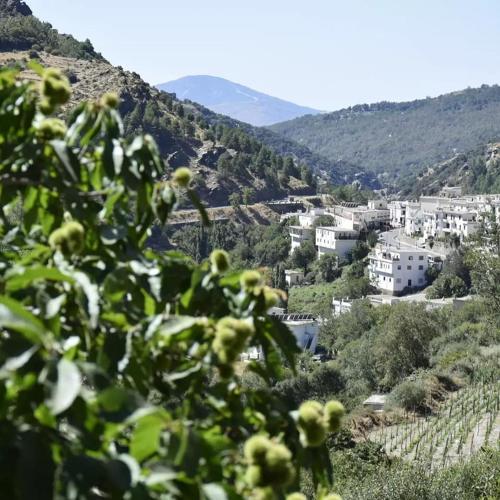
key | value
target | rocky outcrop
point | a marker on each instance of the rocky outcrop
(14, 8)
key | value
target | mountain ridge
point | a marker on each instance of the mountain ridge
(392, 139)
(238, 101)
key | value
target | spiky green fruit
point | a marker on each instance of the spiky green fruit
(254, 476)
(182, 177)
(255, 449)
(51, 128)
(311, 424)
(55, 87)
(278, 469)
(219, 260)
(334, 411)
(110, 100)
(270, 297)
(69, 238)
(231, 336)
(250, 279)
(296, 496)
(263, 494)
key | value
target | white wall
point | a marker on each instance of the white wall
(393, 276)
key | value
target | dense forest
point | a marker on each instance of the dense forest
(401, 138)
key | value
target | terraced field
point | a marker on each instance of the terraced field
(467, 421)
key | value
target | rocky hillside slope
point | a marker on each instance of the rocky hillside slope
(14, 8)
(225, 159)
(396, 139)
(477, 171)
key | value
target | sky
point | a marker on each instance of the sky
(327, 54)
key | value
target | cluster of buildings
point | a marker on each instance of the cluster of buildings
(447, 215)
(394, 271)
(349, 221)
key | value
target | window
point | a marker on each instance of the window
(398, 280)
(420, 280)
(410, 257)
(420, 257)
(408, 267)
(399, 268)
(420, 268)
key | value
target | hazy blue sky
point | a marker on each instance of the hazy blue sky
(323, 53)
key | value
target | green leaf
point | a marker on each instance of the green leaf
(92, 294)
(53, 306)
(176, 325)
(13, 364)
(146, 436)
(14, 316)
(195, 200)
(68, 159)
(22, 278)
(67, 387)
(213, 491)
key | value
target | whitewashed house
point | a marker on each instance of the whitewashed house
(304, 327)
(397, 213)
(304, 231)
(393, 270)
(413, 219)
(376, 402)
(337, 240)
(341, 306)
(299, 235)
(293, 277)
(443, 222)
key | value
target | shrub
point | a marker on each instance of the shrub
(410, 395)
(446, 286)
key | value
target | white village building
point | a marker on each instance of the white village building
(443, 222)
(397, 213)
(299, 235)
(394, 270)
(413, 219)
(304, 231)
(375, 215)
(294, 277)
(335, 240)
(304, 327)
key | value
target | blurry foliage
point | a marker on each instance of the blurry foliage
(116, 361)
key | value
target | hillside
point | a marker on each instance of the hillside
(394, 139)
(477, 171)
(225, 161)
(337, 171)
(235, 100)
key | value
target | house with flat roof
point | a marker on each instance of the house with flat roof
(394, 270)
(305, 328)
(335, 240)
(305, 230)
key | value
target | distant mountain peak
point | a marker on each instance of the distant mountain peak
(235, 100)
(14, 8)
